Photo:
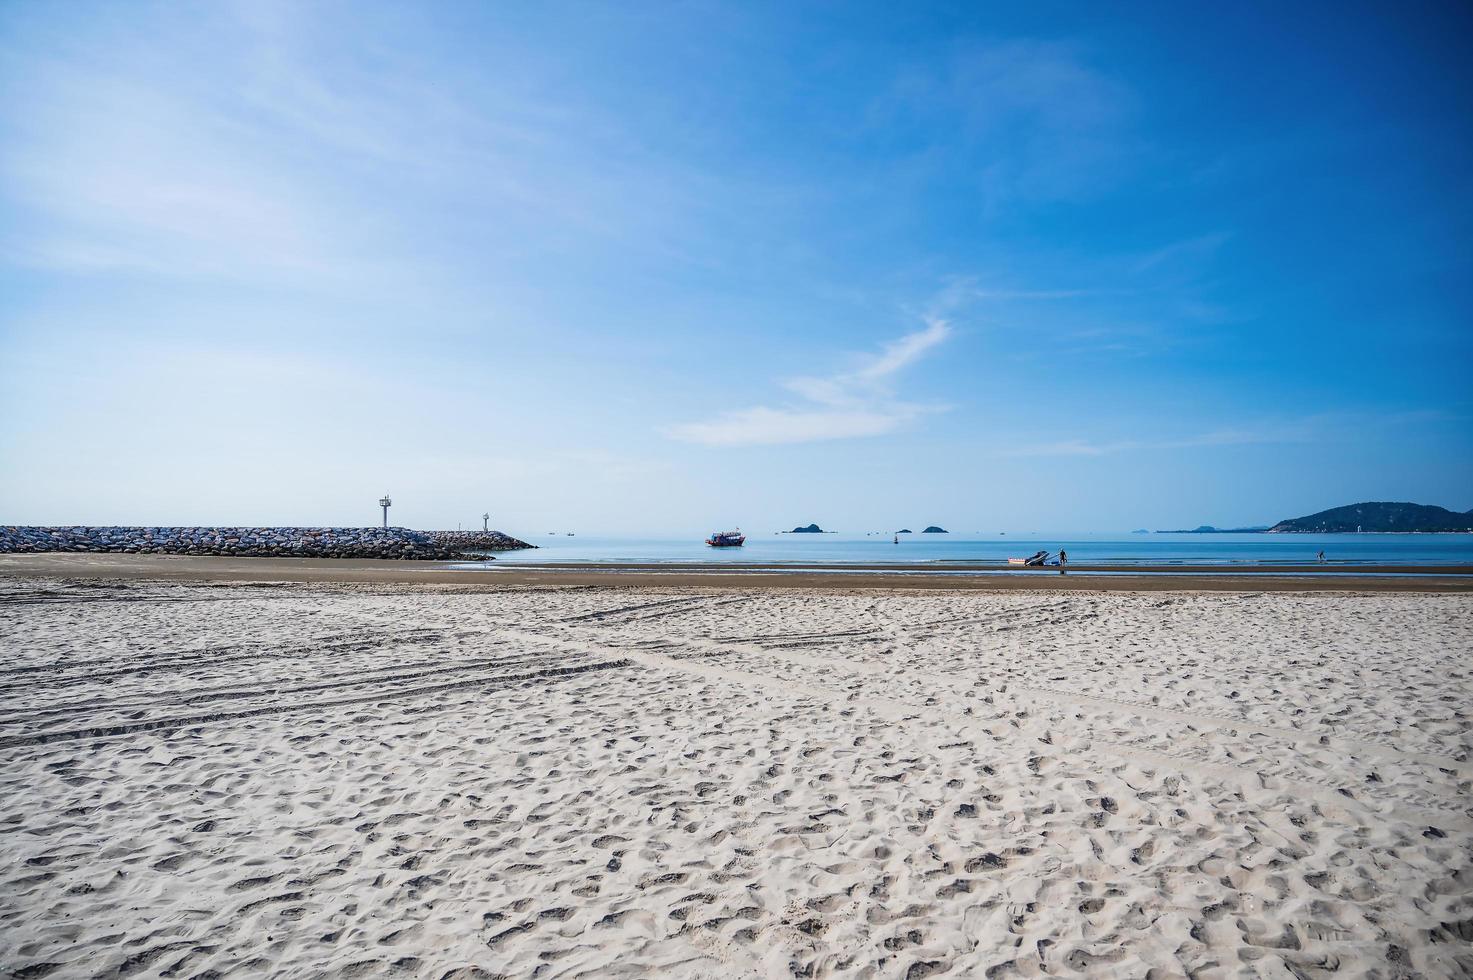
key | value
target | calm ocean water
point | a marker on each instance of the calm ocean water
(933, 549)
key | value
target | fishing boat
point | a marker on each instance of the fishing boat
(726, 539)
(1033, 560)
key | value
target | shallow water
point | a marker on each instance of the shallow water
(1152, 549)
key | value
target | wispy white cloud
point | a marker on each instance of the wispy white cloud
(900, 354)
(967, 290)
(845, 405)
(277, 145)
(1191, 252)
(771, 426)
(127, 177)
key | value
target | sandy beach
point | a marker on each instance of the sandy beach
(211, 777)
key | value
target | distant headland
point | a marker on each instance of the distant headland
(1371, 516)
(933, 529)
(810, 529)
(1380, 516)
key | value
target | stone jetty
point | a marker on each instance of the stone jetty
(467, 541)
(262, 542)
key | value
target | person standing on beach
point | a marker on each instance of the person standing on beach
(1063, 562)
(1320, 557)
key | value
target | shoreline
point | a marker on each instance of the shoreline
(496, 575)
(963, 566)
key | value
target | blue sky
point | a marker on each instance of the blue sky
(639, 267)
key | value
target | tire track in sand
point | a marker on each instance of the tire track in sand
(165, 725)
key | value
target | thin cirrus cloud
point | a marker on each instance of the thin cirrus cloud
(308, 157)
(846, 405)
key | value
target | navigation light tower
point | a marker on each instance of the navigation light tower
(384, 502)
(486, 522)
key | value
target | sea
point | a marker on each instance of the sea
(940, 550)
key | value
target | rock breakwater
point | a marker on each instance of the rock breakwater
(261, 542)
(464, 541)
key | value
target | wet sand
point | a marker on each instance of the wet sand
(508, 573)
(216, 778)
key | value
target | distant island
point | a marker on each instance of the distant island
(1378, 516)
(810, 529)
(933, 529)
(1140, 531)
(1372, 516)
(904, 530)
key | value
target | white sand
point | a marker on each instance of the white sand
(364, 781)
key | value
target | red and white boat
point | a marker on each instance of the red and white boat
(727, 539)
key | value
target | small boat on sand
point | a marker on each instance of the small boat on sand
(727, 539)
(1033, 560)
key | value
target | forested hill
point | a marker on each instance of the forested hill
(1378, 516)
